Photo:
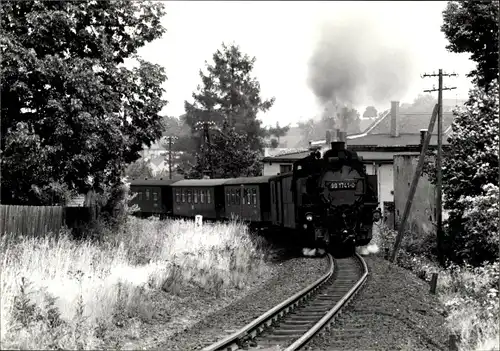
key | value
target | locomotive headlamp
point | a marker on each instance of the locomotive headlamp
(376, 215)
(309, 217)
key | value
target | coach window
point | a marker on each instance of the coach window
(139, 196)
(208, 196)
(232, 197)
(237, 196)
(254, 196)
(228, 196)
(155, 199)
(189, 196)
(183, 192)
(147, 194)
(202, 196)
(249, 196)
(195, 195)
(177, 196)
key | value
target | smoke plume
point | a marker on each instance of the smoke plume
(353, 63)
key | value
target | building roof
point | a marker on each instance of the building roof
(378, 136)
(410, 123)
(157, 161)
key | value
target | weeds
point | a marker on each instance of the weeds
(470, 295)
(79, 292)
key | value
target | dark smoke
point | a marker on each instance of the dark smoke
(352, 64)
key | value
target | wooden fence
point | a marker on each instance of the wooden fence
(30, 220)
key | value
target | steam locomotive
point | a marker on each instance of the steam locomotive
(328, 202)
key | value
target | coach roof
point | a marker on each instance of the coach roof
(199, 182)
(248, 180)
(151, 182)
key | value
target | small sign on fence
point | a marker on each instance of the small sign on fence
(198, 221)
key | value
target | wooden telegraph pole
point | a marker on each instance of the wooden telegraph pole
(205, 126)
(170, 142)
(439, 158)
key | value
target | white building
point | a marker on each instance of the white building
(391, 133)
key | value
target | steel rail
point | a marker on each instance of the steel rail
(323, 322)
(266, 319)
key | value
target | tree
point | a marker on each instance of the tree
(471, 26)
(470, 178)
(230, 154)
(72, 115)
(347, 120)
(370, 111)
(230, 97)
(139, 169)
(278, 132)
(423, 103)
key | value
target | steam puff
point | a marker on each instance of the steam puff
(353, 63)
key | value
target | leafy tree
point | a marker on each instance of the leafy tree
(370, 111)
(224, 148)
(278, 132)
(72, 115)
(347, 120)
(139, 169)
(471, 26)
(470, 178)
(423, 103)
(230, 97)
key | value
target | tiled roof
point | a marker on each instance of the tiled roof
(411, 123)
(283, 151)
(157, 161)
(378, 134)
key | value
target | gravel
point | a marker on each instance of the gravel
(286, 278)
(394, 311)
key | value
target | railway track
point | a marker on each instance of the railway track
(294, 322)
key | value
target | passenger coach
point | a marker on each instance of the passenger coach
(199, 197)
(248, 199)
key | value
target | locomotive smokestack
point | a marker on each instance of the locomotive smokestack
(338, 145)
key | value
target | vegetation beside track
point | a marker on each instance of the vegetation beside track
(62, 293)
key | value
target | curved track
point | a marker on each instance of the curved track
(294, 322)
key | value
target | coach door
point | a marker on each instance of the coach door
(279, 202)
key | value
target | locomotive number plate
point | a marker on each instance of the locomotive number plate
(348, 184)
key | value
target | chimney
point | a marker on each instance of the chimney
(342, 137)
(423, 134)
(328, 137)
(394, 118)
(337, 135)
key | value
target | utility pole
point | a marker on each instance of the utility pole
(439, 171)
(206, 126)
(170, 142)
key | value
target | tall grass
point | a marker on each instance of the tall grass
(67, 294)
(470, 295)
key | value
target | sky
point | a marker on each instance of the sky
(395, 42)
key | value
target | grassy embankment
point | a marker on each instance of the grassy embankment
(59, 293)
(470, 295)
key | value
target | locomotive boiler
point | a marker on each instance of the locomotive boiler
(336, 201)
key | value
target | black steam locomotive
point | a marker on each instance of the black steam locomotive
(328, 201)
